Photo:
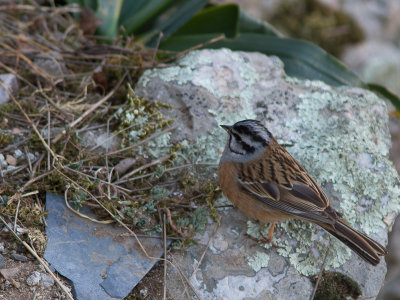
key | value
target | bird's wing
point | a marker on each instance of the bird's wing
(279, 181)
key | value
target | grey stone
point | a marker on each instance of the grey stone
(18, 154)
(46, 280)
(227, 275)
(10, 83)
(2, 249)
(18, 257)
(3, 162)
(33, 279)
(101, 260)
(99, 141)
(339, 134)
(2, 262)
(52, 64)
(7, 284)
(31, 156)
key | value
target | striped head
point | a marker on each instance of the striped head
(247, 140)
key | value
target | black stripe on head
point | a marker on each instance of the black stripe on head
(246, 147)
(252, 128)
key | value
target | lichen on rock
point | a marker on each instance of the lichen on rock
(339, 134)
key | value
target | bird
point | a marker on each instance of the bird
(266, 183)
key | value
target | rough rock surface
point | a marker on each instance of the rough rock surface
(339, 135)
(99, 259)
(9, 85)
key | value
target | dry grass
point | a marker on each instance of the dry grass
(71, 83)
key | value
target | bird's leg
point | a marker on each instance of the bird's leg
(267, 240)
(271, 232)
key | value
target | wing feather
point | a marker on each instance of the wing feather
(282, 183)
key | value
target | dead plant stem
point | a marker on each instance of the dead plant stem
(39, 259)
(91, 109)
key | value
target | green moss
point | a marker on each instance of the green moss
(336, 286)
(5, 139)
(141, 118)
(10, 108)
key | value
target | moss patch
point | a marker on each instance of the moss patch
(336, 286)
(319, 23)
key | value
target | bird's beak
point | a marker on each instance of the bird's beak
(227, 128)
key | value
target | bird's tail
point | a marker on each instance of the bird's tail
(361, 244)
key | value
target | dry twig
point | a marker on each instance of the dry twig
(60, 284)
(320, 274)
(92, 109)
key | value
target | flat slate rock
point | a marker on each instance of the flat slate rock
(101, 261)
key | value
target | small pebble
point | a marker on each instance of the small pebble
(9, 168)
(47, 280)
(2, 262)
(16, 130)
(18, 257)
(2, 157)
(31, 157)
(11, 160)
(7, 284)
(15, 283)
(18, 153)
(2, 249)
(34, 279)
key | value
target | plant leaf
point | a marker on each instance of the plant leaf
(385, 93)
(130, 8)
(250, 24)
(183, 42)
(147, 13)
(90, 3)
(108, 11)
(302, 59)
(174, 21)
(215, 19)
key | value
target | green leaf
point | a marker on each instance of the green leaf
(90, 3)
(216, 19)
(79, 2)
(183, 42)
(129, 9)
(250, 24)
(145, 14)
(199, 219)
(385, 93)
(108, 11)
(174, 21)
(302, 59)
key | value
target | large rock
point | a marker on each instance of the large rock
(339, 135)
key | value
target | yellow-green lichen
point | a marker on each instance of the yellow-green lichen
(258, 260)
(336, 136)
(141, 118)
(344, 146)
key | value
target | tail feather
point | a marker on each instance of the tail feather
(361, 244)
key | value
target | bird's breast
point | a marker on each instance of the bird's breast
(249, 205)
